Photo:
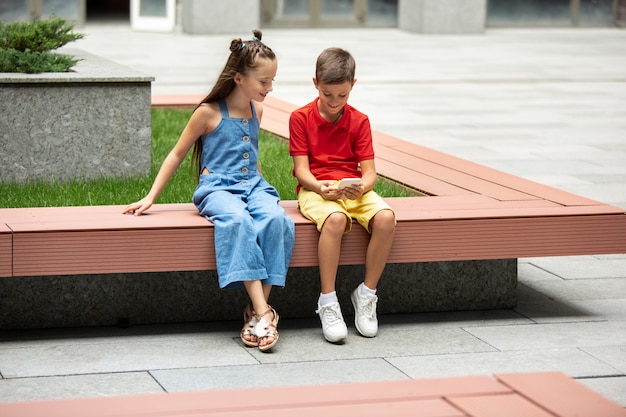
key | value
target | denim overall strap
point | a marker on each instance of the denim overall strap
(223, 108)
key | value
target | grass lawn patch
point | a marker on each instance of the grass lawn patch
(276, 166)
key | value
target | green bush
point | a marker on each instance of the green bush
(34, 62)
(37, 36)
(26, 46)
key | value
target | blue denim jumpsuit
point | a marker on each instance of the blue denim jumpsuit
(253, 235)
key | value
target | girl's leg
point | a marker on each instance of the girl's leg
(259, 295)
(275, 233)
(249, 317)
(256, 291)
(267, 289)
(237, 253)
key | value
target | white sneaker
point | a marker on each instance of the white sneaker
(333, 326)
(365, 313)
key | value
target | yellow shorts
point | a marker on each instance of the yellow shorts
(315, 208)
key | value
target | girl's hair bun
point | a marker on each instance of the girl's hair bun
(236, 44)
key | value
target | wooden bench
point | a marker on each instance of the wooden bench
(550, 394)
(471, 213)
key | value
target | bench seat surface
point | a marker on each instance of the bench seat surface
(550, 394)
(173, 237)
(470, 212)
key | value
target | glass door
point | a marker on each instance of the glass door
(153, 15)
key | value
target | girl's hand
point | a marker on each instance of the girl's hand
(138, 207)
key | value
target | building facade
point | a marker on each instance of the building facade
(425, 16)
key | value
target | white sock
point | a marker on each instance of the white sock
(328, 298)
(364, 290)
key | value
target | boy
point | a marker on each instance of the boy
(329, 141)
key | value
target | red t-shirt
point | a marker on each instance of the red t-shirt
(334, 151)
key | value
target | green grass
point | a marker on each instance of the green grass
(276, 166)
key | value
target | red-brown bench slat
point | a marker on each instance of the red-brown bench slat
(173, 237)
(448, 174)
(412, 398)
(6, 251)
(417, 180)
(562, 395)
(494, 406)
(473, 169)
(514, 395)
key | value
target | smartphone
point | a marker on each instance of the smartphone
(347, 182)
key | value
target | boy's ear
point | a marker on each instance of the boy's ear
(353, 82)
(315, 82)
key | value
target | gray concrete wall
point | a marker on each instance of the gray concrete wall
(94, 121)
(442, 16)
(170, 297)
(218, 16)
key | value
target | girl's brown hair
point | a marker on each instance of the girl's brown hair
(243, 58)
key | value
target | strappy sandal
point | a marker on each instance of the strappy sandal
(265, 329)
(250, 321)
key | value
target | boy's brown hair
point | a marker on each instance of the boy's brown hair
(335, 66)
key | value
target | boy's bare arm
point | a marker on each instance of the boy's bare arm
(302, 171)
(368, 174)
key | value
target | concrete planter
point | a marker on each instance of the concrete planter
(92, 122)
(191, 296)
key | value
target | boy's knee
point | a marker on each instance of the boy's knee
(335, 223)
(384, 220)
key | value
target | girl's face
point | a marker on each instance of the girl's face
(258, 83)
(332, 98)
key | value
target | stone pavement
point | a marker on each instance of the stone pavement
(547, 105)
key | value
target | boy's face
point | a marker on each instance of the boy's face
(332, 98)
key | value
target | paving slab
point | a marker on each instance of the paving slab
(310, 345)
(528, 271)
(552, 335)
(571, 361)
(120, 354)
(611, 387)
(572, 269)
(76, 386)
(279, 374)
(582, 289)
(548, 310)
(615, 355)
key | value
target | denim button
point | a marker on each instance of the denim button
(246, 155)
(246, 138)
(244, 182)
(244, 170)
(245, 122)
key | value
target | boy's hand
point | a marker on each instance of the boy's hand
(329, 191)
(353, 192)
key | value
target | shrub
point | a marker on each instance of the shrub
(30, 62)
(26, 46)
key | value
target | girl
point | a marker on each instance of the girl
(253, 235)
